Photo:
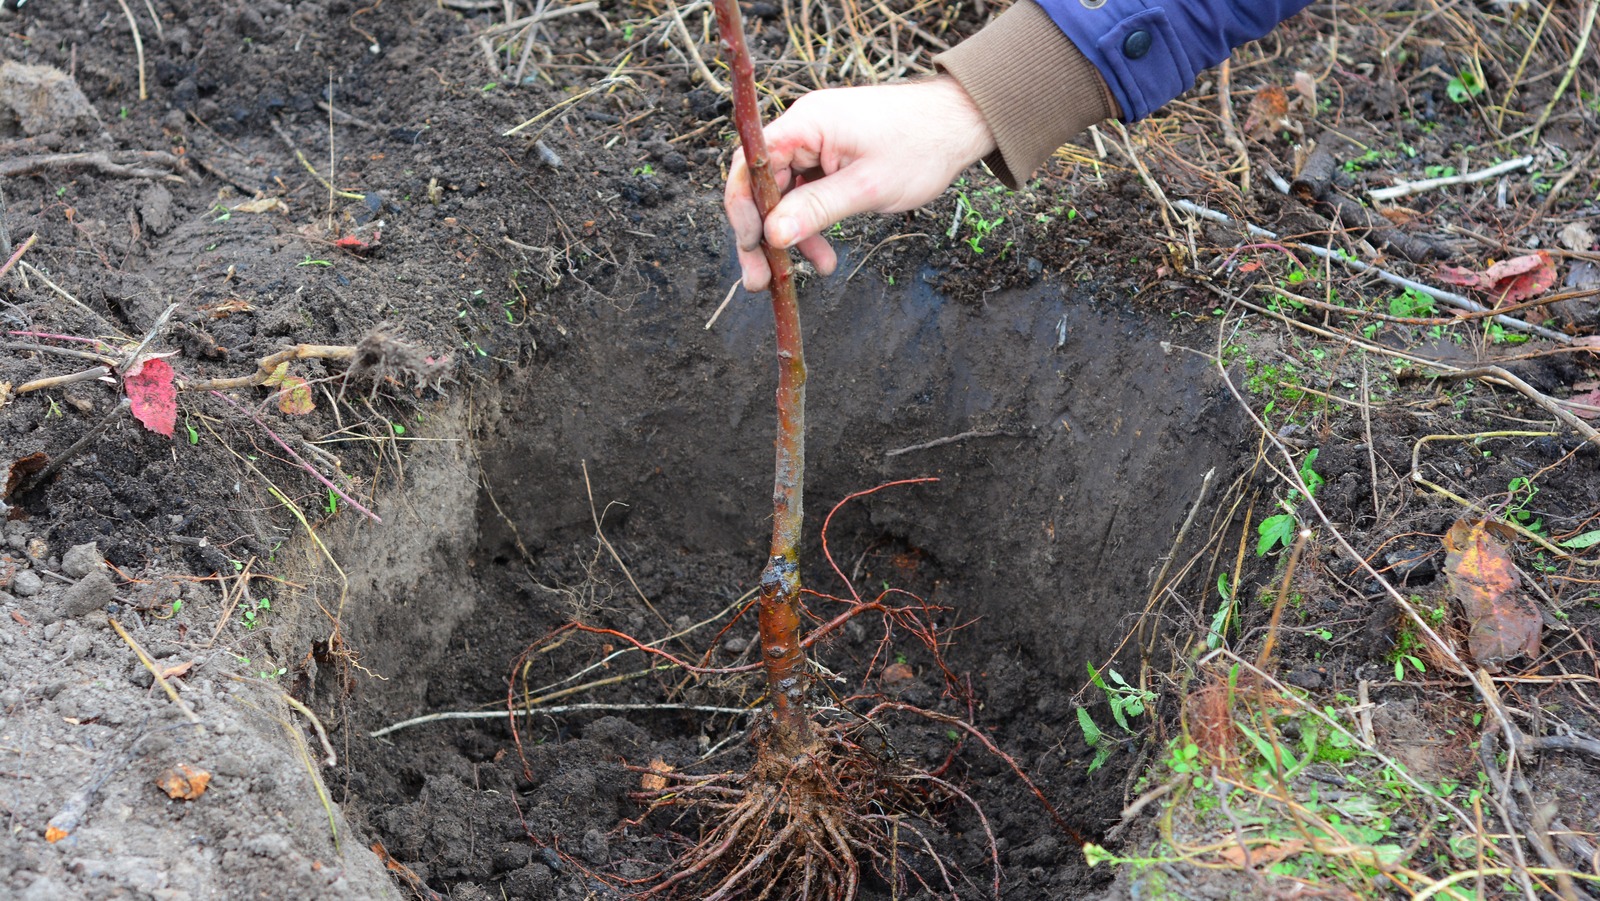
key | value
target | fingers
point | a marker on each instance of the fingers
(814, 206)
(817, 249)
(740, 207)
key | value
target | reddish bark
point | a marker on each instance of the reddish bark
(779, 615)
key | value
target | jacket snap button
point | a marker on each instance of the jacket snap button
(1136, 44)
(1092, 4)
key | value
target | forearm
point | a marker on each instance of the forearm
(1046, 69)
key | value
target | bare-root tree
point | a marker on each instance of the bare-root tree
(822, 804)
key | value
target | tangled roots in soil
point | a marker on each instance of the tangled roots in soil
(801, 828)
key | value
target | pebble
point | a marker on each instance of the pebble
(88, 594)
(27, 583)
(81, 560)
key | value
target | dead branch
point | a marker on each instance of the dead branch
(267, 364)
(117, 164)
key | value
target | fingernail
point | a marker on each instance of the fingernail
(785, 231)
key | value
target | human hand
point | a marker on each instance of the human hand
(843, 151)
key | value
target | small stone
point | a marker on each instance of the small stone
(1309, 679)
(27, 583)
(88, 594)
(594, 847)
(81, 560)
(735, 645)
(39, 99)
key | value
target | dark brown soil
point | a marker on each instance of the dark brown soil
(568, 282)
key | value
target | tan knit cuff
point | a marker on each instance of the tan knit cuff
(1034, 88)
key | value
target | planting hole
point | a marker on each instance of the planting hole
(1068, 447)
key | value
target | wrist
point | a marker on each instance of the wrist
(969, 137)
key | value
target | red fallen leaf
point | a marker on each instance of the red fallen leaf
(357, 246)
(1501, 623)
(1251, 266)
(1592, 398)
(154, 399)
(184, 782)
(1512, 281)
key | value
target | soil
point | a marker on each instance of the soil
(549, 432)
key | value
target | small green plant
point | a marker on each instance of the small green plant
(1279, 529)
(223, 214)
(1224, 614)
(1464, 86)
(1412, 304)
(1127, 701)
(1522, 491)
(308, 261)
(645, 170)
(255, 611)
(1439, 171)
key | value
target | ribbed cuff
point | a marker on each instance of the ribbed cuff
(1032, 85)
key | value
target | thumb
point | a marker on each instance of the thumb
(816, 205)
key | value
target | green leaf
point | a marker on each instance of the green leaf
(1091, 732)
(1274, 531)
(1095, 855)
(1587, 539)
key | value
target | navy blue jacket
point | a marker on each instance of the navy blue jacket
(1151, 52)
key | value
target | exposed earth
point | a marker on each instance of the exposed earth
(504, 411)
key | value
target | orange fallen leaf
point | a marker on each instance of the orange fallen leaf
(656, 779)
(173, 672)
(184, 782)
(898, 672)
(1501, 623)
(1264, 855)
(1511, 281)
(53, 835)
(1269, 111)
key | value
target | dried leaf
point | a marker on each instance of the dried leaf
(1501, 623)
(1512, 281)
(1269, 111)
(20, 469)
(224, 308)
(1576, 236)
(154, 399)
(1264, 855)
(184, 782)
(656, 779)
(276, 377)
(174, 672)
(898, 672)
(1401, 216)
(1306, 86)
(53, 834)
(295, 398)
(262, 205)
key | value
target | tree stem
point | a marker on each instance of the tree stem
(779, 615)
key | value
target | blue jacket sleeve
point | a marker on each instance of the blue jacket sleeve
(1150, 52)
